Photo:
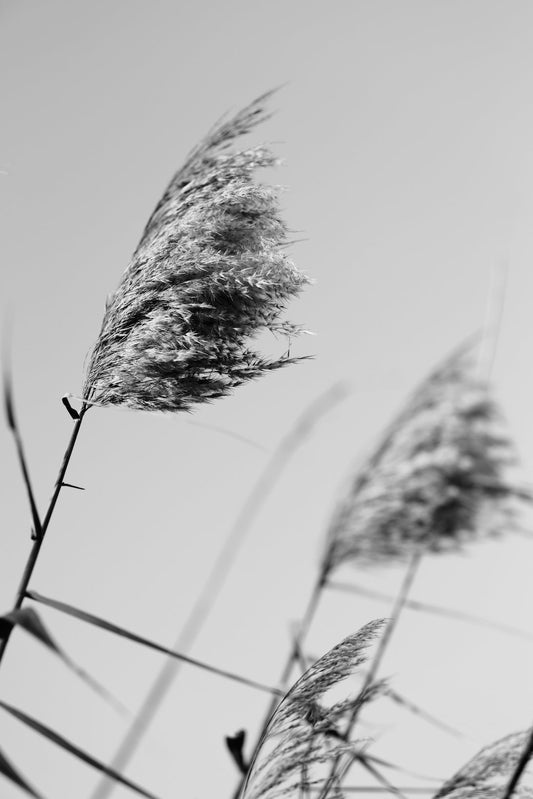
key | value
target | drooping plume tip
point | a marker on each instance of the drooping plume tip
(208, 275)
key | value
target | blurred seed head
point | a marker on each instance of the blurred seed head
(438, 477)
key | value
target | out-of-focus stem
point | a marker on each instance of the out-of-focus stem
(218, 576)
(516, 776)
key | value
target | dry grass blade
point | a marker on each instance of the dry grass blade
(409, 789)
(488, 773)
(209, 274)
(13, 426)
(436, 610)
(13, 775)
(518, 771)
(39, 539)
(97, 621)
(440, 471)
(62, 742)
(379, 761)
(304, 730)
(29, 620)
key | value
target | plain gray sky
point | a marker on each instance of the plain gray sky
(407, 132)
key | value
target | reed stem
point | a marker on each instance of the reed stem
(40, 534)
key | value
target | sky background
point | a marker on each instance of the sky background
(406, 129)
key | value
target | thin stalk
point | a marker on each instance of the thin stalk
(217, 578)
(520, 767)
(493, 320)
(399, 605)
(437, 610)
(89, 618)
(39, 535)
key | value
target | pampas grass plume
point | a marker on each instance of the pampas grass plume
(209, 273)
(441, 466)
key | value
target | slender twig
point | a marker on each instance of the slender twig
(39, 539)
(520, 767)
(218, 576)
(304, 779)
(437, 610)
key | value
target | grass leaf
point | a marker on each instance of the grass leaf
(30, 621)
(11, 773)
(13, 426)
(62, 742)
(97, 621)
(303, 732)
(209, 273)
(436, 610)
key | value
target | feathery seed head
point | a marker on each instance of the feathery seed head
(208, 275)
(304, 732)
(438, 470)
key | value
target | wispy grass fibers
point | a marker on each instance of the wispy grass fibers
(211, 272)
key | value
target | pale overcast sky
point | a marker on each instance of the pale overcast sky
(406, 128)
